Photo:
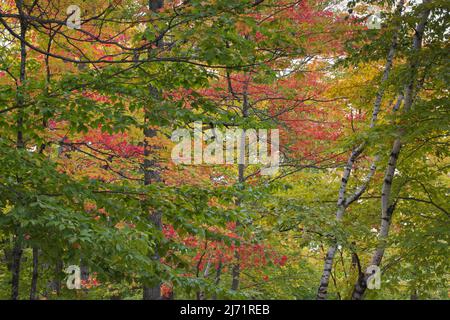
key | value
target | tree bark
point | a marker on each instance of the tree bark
(217, 279)
(20, 100)
(236, 269)
(387, 207)
(201, 295)
(57, 281)
(152, 175)
(15, 267)
(151, 171)
(343, 203)
(35, 274)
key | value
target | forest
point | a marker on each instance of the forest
(224, 150)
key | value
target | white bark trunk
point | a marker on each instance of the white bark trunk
(343, 203)
(387, 208)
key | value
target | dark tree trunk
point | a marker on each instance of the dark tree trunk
(218, 274)
(55, 284)
(151, 172)
(35, 275)
(20, 144)
(15, 268)
(236, 270)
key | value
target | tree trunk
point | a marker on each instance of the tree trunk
(387, 208)
(236, 270)
(343, 203)
(218, 274)
(54, 285)
(58, 271)
(15, 267)
(151, 172)
(20, 100)
(35, 275)
(328, 265)
(201, 295)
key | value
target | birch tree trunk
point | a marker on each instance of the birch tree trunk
(328, 265)
(343, 203)
(387, 207)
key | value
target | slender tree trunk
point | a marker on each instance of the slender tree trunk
(218, 275)
(328, 267)
(84, 274)
(201, 294)
(387, 67)
(20, 100)
(387, 207)
(236, 269)
(54, 285)
(35, 275)
(15, 267)
(57, 281)
(152, 175)
(343, 203)
(151, 171)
